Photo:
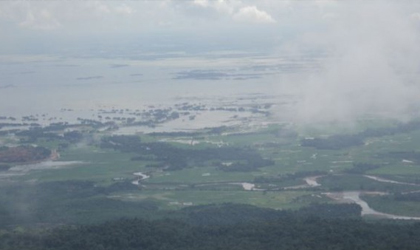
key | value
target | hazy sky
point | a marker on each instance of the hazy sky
(202, 22)
(40, 25)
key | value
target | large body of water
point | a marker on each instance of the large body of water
(50, 86)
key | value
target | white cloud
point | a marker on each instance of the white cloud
(201, 3)
(227, 7)
(330, 16)
(98, 7)
(252, 14)
(124, 10)
(224, 7)
(237, 10)
(49, 15)
(324, 3)
(42, 20)
(415, 17)
(372, 68)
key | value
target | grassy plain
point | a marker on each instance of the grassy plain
(178, 199)
(281, 185)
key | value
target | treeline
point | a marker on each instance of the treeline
(291, 176)
(412, 196)
(288, 231)
(334, 142)
(337, 142)
(231, 214)
(49, 134)
(170, 157)
(67, 202)
(406, 155)
(150, 118)
(176, 134)
(7, 124)
(361, 168)
(83, 202)
(21, 154)
(4, 167)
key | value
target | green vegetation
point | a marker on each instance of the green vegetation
(342, 141)
(362, 168)
(175, 158)
(228, 227)
(357, 182)
(67, 202)
(23, 154)
(398, 204)
(4, 167)
(101, 176)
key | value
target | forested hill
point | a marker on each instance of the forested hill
(290, 230)
(288, 233)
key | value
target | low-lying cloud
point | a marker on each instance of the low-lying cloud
(373, 65)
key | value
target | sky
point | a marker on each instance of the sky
(40, 26)
(372, 46)
(187, 21)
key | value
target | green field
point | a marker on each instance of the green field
(268, 167)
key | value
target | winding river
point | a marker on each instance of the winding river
(49, 164)
(388, 181)
(140, 176)
(354, 197)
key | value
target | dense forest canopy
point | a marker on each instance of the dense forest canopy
(228, 227)
(22, 154)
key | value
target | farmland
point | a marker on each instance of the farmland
(277, 165)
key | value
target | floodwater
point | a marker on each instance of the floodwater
(354, 197)
(46, 85)
(44, 165)
(140, 176)
(203, 119)
(24, 169)
(247, 186)
(389, 181)
(311, 181)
